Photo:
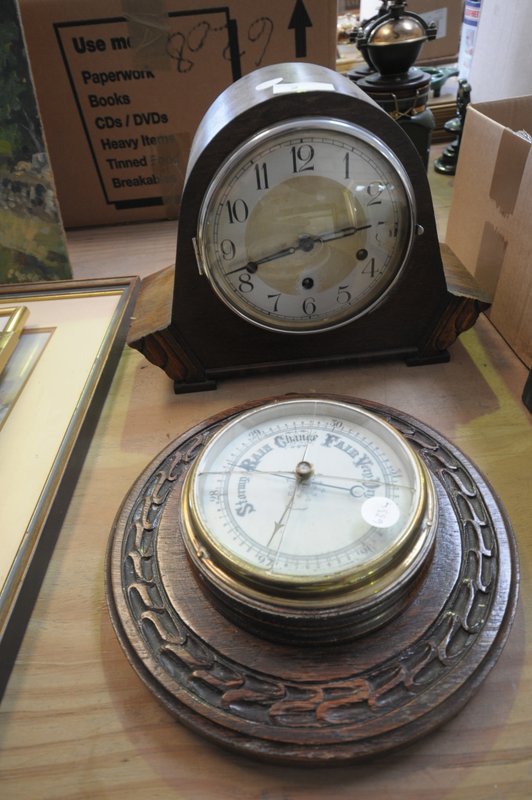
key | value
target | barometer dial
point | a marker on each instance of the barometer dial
(311, 504)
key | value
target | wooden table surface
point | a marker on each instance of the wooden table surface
(76, 721)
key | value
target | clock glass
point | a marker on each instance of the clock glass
(306, 225)
(309, 497)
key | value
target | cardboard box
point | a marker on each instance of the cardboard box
(490, 220)
(448, 15)
(502, 41)
(123, 84)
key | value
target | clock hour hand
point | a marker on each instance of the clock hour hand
(341, 233)
(305, 243)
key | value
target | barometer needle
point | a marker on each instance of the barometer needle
(281, 523)
(315, 480)
(279, 527)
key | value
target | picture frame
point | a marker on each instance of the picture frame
(12, 321)
(49, 428)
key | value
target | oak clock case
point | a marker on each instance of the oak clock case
(306, 237)
(276, 632)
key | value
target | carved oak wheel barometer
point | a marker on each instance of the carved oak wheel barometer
(312, 579)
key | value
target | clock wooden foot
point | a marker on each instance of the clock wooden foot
(167, 350)
(206, 385)
(421, 359)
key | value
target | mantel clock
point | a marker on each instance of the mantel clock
(306, 237)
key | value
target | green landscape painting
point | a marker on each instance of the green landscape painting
(32, 245)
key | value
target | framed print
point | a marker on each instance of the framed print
(23, 348)
(47, 416)
(11, 326)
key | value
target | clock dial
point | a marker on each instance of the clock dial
(307, 225)
(309, 497)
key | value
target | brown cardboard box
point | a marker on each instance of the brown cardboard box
(123, 84)
(490, 220)
(448, 15)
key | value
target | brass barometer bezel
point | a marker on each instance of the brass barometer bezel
(364, 596)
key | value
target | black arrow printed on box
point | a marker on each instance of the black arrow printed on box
(299, 22)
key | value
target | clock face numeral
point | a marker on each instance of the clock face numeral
(261, 175)
(343, 296)
(346, 160)
(302, 158)
(309, 306)
(237, 210)
(245, 283)
(369, 268)
(375, 190)
(228, 249)
(318, 213)
(275, 298)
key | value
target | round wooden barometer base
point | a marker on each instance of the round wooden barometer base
(314, 704)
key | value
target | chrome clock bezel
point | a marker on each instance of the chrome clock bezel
(239, 156)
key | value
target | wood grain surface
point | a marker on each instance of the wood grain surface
(76, 721)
